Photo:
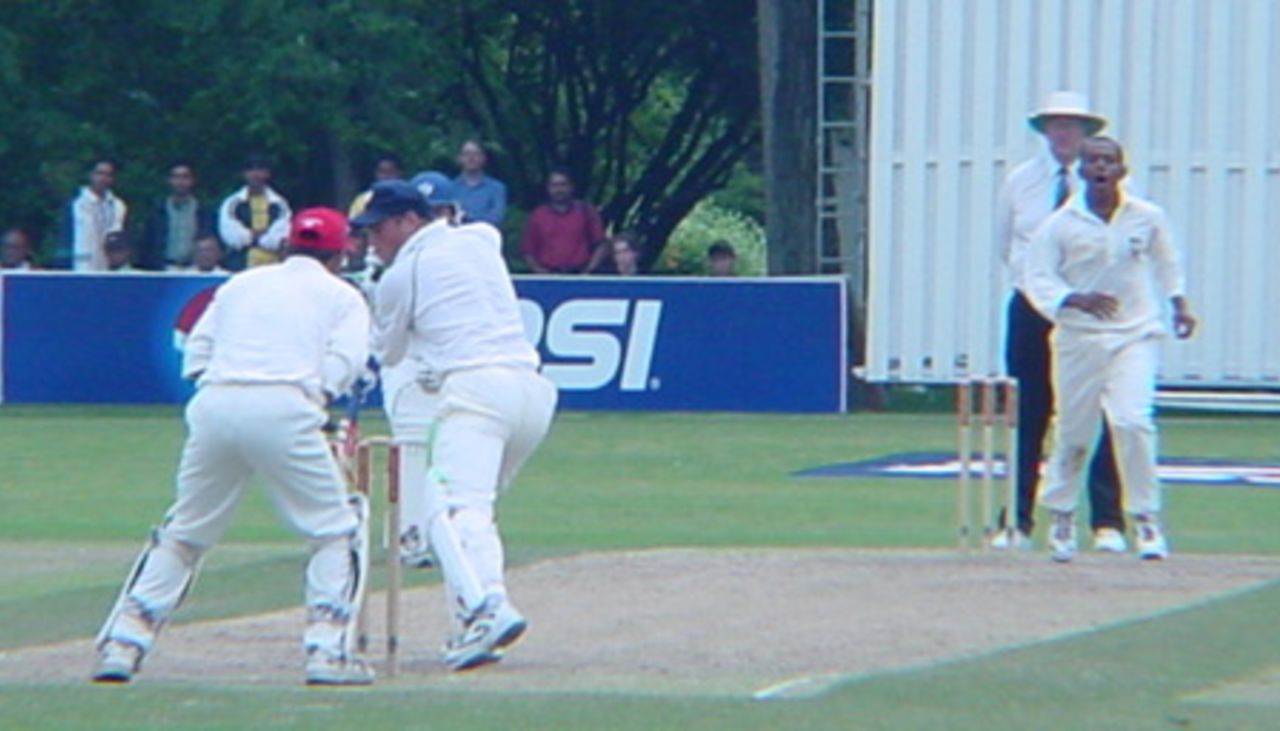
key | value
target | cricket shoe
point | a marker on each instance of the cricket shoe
(1152, 545)
(117, 662)
(1011, 539)
(415, 553)
(1109, 540)
(324, 669)
(496, 626)
(1062, 537)
(423, 559)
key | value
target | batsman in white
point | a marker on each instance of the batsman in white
(1100, 268)
(411, 409)
(447, 302)
(275, 343)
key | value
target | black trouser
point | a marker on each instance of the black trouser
(1027, 359)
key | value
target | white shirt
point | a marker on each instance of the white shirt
(1025, 201)
(447, 301)
(195, 270)
(1131, 258)
(237, 236)
(292, 323)
(92, 218)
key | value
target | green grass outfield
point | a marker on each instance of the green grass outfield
(93, 480)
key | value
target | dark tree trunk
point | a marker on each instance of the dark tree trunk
(788, 90)
(345, 184)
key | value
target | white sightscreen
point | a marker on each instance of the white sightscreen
(1191, 88)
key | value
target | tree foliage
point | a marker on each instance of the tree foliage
(709, 223)
(650, 103)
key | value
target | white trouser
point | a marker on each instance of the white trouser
(491, 421)
(1092, 373)
(233, 433)
(411, 411)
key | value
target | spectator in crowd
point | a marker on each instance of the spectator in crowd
(360, 268)
(207, 256)
(15, 252)
(176, 223)
(118, 253)
(483, 198)
(624, 258)
(90, 216)
(1033, 191)
(722, 260)
(387, 167)
(254, 221)
(563, 235)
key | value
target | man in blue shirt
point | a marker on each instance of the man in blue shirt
(483, 198)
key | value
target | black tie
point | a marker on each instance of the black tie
(1064, 190)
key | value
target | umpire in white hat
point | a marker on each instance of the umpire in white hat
(1032, 191)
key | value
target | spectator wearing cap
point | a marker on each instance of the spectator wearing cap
(175, 223)
(119, 253)
(443, 196)
(16, 251)
(95, 212)
(722, 260)
(483, 198)
(563, 235)
(1032, 191)
(387, 167)
(254, 221)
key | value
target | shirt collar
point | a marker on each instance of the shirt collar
(481, 182)
(271, 195)
(299, 261)
(88, 193)
(1081, 206)
(1053, 166)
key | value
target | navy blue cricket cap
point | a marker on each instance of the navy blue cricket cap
(391, 198)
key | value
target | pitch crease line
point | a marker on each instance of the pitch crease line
(805, 686)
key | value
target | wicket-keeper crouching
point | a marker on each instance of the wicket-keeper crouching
(274, 343)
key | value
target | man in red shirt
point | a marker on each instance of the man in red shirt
(563, 235)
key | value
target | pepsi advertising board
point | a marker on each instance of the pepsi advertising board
(668, 344)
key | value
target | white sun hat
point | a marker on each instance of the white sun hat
(1067, 104)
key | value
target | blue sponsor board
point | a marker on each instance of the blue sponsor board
(650, 344)
(72, 338)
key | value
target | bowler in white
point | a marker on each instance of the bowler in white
(1105, 270)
